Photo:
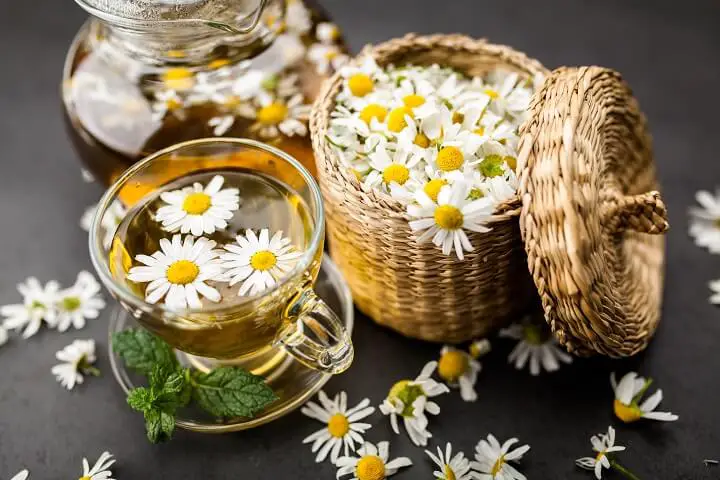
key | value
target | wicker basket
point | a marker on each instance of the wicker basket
(416, 290)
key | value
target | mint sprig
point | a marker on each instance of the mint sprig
(223, 392)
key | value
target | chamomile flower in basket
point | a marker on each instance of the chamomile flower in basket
(459, 176)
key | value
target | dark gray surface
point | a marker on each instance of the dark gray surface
(669, 53)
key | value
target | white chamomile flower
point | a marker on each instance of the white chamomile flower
(114, 214)
(451, 467)
(372, 464)
(604, 445)
(628, 394)
(361, 77)
(327, 32)
(343, 429)
(445, 222)
(327, 58)
(409, 399)
(21, 475)
(179, 272)
(705, 221)
(390, 167)
(77, 360)
(198, 210)
(260, 262)
(99, 471)
(416, 141)
(277, 115)
(79, 302)
(297, 17)
(536, 345)
(168, 101)
(501, 188)
(38, 305)
(459, 369)
(509, 95)
(221, 124)
(491, 459)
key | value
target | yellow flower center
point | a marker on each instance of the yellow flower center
(627, 413)
(218, 63)
(331, 53)
(407, 393)
(396, 173)
(452, 365)
(182, 272)
(396, 119)
(599, 456)
(413, 101)
(370, 467)
(449, 474)
(511, 162)
(70, 303)
(360, 84)
(448, 217)
(457, 117)
(433, 187)
(338, 425)
(493, 94)
(475, 193)
(449, 159)
(178, 78)
(272, 114)
(534, 334)
(197, 203)
(85, 478)
(479, 131)
(263, 260)
(497, 466)
(421, 140)
(371, 111)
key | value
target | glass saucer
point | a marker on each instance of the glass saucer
(293, 382)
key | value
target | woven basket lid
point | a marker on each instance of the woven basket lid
(590, 212)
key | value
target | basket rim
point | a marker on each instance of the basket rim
(327, 159)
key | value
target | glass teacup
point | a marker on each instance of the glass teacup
(277, 196)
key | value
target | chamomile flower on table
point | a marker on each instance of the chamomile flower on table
(492, 459)
(258, 261)
(21, 475)
(451, 467)
(114, 214)
(77, 360)
(480, 347)
(628, 394)
(536, 346)
(80, 302)
(372, 463)
(459, 370)
(604, 446)
(38, 305)
(198, 209)
(343, 430)
(179, 272)
(445, 222)
(705, 221)
(101, 469)
(410, 400)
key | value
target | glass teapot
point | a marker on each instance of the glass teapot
(142, 75)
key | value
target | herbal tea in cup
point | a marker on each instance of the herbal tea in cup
(218, 250)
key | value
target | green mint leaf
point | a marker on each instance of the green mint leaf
(491, 166)
(231, 392)
(174, 391)
(141, 350)
(159, 425)
(140, 399)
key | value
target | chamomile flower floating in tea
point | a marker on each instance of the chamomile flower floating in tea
(80, 302)
(628, 393)
(258, 261)
(491, 459)
(705, 221)
(38, 305)
(460, 370)
(536, 346)
(373, 463)
(409, 400)
(77, 360)
(451, 467)
(99, 471)
(199, 210)
(343, 431)
(604, 445)
(179, 272)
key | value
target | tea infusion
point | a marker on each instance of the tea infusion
(209, 241)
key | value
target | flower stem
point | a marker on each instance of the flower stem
(626, 473)
(90, 370)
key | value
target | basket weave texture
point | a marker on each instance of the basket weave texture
(411, 287)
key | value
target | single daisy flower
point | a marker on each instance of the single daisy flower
(343, 429)
(445, 222)
(297, 17)
(109, 222)
(361, 77)
(276, 115)
(260, 262)
(179, 272)
(38, 305)
(99, 471)
(79, 302)
(198, 210)
(508, 94)
(327, 58)
(536, 346)
(459, 370)
(372, 464)
(705, 221)
(21, 475)
(390, 168)
(604, 445)
(409, 399)
(491, 459)
(451, 467)
(77, 360)
(628, 394)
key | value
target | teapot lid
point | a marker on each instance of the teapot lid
(591, 212)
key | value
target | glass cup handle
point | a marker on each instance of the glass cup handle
(315, 336)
